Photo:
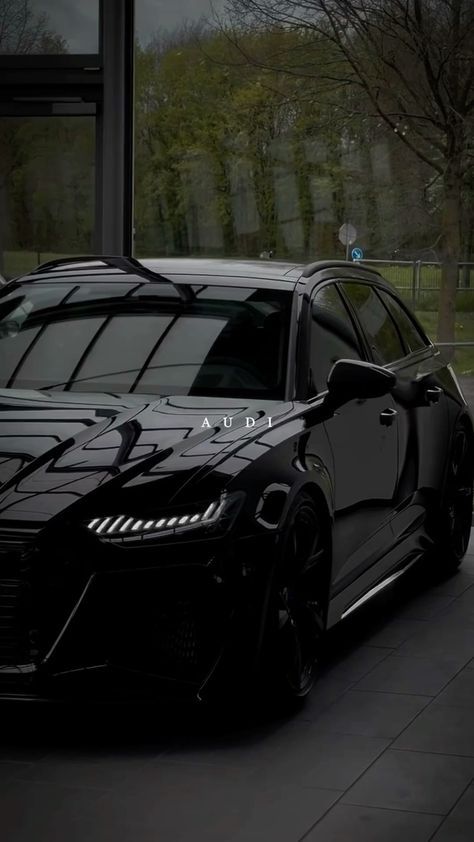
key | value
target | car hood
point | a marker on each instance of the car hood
(58, 448)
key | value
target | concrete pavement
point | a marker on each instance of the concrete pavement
(383, 749)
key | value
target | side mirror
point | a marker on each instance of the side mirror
(349, 379)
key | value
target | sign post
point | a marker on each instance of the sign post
(347, 236)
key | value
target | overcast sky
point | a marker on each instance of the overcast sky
(153, 15)
(76, 20)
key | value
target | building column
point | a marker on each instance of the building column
(115, 130)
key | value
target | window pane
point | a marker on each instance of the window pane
(16, 334)
(56, 353)
(12, 352)
(412, 337)
(47, 190)
(246, 145)
(123, 347)
(173, 362)
(49, 27)
(375, 319)
(332, 336)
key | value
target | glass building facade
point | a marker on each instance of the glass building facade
(223, 134)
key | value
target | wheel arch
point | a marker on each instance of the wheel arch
(316, 493)
(320, 500)
(464, 418)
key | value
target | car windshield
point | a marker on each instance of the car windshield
(144, 338)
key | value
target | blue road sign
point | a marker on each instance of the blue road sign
(357, 254)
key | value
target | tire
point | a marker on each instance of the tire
(454, 526)
(296, 618)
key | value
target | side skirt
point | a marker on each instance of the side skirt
(377, 577)
(377, 588)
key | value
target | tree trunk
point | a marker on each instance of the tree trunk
(467, 235)
(303, 175)
(266, 201)
(224, 202)
(451, 252)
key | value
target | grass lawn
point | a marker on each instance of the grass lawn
(463, 362)
(402, 276)
(20, 262)
(427, 306)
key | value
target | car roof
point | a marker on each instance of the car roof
(226, 268)
(186, 270)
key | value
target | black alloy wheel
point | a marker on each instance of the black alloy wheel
(298, 607)
(456, 513)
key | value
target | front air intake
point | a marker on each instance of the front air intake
(14, 626)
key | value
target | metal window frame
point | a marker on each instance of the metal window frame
(41, 61)
(100, 85)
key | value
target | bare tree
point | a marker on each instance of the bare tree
(413, 61)
(24, 31)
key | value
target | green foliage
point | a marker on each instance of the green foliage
(208, 133)
(47, 184)
(234, 155)
(244, 146)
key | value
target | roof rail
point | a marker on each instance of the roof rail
(115, 261)
(311, 268)
(121, 262)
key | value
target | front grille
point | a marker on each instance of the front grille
(14, 633)
(16, 543)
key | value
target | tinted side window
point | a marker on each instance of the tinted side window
(414, 340)
(332, 336)
(378, 326)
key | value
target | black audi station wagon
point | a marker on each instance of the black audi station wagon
(204, 464)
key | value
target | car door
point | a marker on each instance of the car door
(363, 433)
(423, 419)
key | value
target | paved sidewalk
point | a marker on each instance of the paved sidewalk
(383, 750)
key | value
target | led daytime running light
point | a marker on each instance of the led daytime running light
(121, 525)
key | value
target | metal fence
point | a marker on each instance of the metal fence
(420, 281)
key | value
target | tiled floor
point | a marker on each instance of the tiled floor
(383, 749)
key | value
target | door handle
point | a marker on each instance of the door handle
(433, 394)
(387, 417)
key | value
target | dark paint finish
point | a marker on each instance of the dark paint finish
(183, 611)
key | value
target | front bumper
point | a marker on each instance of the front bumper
(99, 621)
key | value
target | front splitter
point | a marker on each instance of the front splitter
(101, 683)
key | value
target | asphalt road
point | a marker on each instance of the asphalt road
(383, 749)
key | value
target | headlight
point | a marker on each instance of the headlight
(125, 528)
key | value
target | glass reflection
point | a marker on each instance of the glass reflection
(47, 190)
(257, 136)
(149, 343)
(236, 158)
(48, 27)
